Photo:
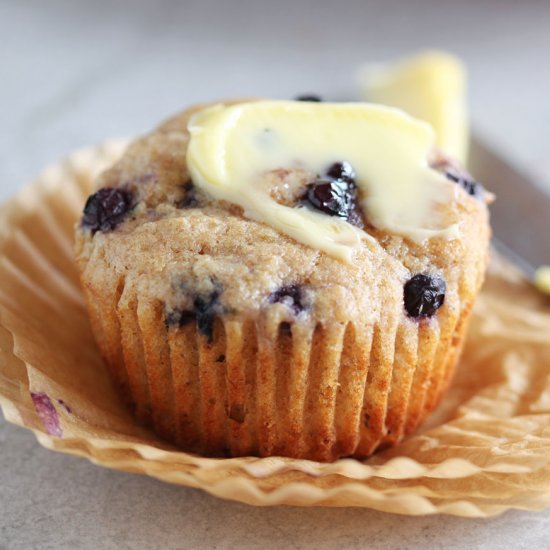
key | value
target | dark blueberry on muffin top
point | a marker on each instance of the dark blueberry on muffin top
(106, 209)
(341, 171)
(335, 198)
(291, 296)
(424, 295)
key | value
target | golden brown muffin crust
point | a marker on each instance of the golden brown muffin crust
(178, 252)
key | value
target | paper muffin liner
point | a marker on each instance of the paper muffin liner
(265, 387)
(485, 450)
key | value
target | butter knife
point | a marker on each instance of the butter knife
(520, 215)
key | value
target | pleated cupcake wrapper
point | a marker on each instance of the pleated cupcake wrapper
(263, 388)
(485, 450)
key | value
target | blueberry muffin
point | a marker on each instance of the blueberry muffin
(283, 277)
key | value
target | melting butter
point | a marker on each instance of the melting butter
(231, 147)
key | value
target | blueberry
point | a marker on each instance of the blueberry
(424, 295)
(205, 309)
(106, 209)
(335, 198)
(458, 175)
(336, 194)
(341, 171)
(291, 296)
(471, 186)
(331, 197)
(179, 318)
(309, 97)
(189, 199)
(204, 312)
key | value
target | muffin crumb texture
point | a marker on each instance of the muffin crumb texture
(230, 338)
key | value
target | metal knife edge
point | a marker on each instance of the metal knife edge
(520, 215)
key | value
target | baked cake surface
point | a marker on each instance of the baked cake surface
(230, 337)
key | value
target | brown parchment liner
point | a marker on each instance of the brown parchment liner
(485, 450)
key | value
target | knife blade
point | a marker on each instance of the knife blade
(520, 215)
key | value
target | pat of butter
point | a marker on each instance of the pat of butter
(431, 86)
(231, 147)
(542, 279)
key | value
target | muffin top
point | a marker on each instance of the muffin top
(158, 223)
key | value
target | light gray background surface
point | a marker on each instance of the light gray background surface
(73, 72)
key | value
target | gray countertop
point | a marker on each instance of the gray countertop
(74, 72)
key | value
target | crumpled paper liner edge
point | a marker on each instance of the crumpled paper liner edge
(350, 494)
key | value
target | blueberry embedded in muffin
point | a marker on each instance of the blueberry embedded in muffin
(292, 296)
(424, 295)
(106, 209)
(459, 175)
(204, 311)
(336, 194)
